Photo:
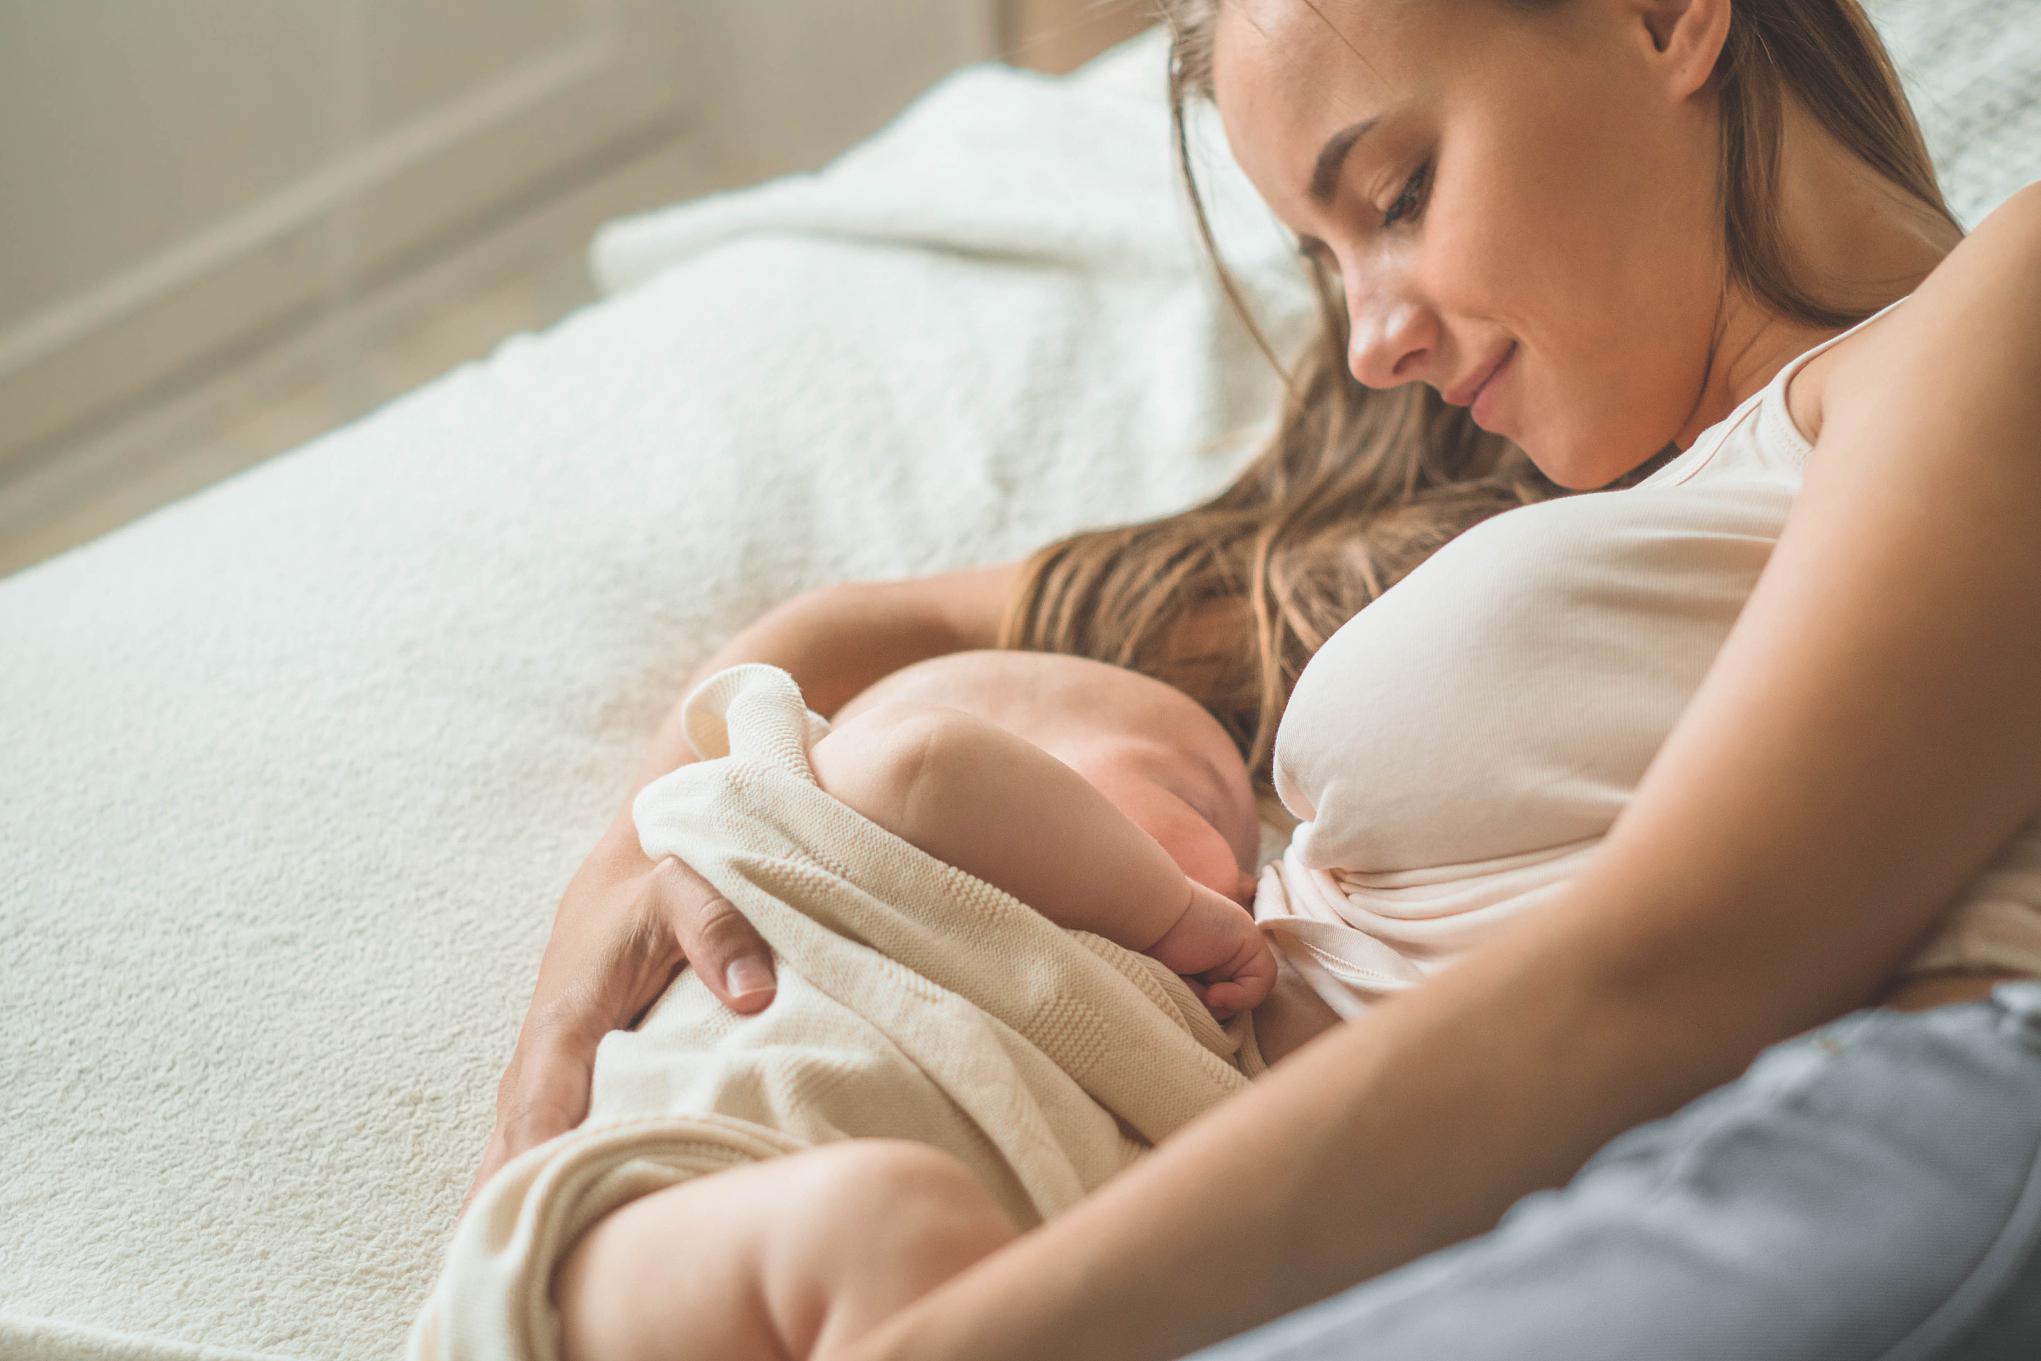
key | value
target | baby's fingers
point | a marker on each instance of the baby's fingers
(1226, 1000)
(1223, 999)
(1247, 979)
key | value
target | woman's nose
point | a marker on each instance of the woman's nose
(1390, 339)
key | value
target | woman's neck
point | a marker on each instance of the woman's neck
(1850, 237)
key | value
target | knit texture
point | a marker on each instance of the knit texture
(915, 1001)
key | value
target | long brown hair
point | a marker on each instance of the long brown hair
(1229, 598)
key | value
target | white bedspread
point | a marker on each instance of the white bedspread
(297, 768)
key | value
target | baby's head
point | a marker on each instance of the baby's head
(1156, 753)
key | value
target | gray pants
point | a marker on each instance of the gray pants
(1868, 1190)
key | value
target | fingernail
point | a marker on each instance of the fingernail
(746, 976)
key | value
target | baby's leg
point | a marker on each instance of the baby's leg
(771, 1260)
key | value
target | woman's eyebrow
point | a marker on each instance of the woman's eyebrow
(1325, 174)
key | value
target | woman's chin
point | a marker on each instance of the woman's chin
(1571, 476)
(1577, 468)
(1561, 465)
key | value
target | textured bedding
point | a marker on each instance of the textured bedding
(297, 768)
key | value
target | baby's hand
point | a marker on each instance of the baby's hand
(1220, 952)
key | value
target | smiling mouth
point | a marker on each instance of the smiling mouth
(1500, 365)
(1465, 397)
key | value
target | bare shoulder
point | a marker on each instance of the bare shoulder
(1959, 320)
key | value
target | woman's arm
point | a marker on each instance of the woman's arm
(837, 640)
(1868, 737)
(624, 925)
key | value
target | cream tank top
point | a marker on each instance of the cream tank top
(1458, 748)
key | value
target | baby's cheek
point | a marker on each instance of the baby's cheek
(1196, 846)
(1204, 855)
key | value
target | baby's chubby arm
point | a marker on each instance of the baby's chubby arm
(997, 806)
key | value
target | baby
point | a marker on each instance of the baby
(1106, 800)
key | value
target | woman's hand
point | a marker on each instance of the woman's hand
(635, 924)
(1220, 952)
(625, 925)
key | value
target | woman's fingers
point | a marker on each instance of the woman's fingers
(618, 940)
(723, 947)
(543, 1093)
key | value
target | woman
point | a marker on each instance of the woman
(1608, 225)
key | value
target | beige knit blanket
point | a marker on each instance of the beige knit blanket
(915, 1001)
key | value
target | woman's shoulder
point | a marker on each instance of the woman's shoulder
(2004, 249)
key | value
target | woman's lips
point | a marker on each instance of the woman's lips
(1482, 409)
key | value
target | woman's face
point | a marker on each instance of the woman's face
(1537, 189)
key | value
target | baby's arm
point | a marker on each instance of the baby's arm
(997, 806)
(990, 802)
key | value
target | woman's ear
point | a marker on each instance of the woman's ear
(1685, 38)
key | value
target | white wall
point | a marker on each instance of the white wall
(188, 179)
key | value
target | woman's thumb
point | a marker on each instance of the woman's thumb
(721, 945)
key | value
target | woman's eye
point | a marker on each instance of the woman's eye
(1406, 205)
(1407, 202)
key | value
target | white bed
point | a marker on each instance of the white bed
(298, 767)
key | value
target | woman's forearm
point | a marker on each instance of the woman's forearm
(1401, 1131)
(834, 641)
